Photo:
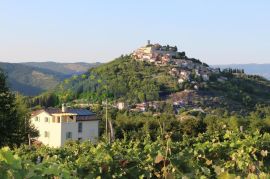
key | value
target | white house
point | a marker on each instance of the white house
(180, 80)
(205, 77)
(121, 105)
(56, 126)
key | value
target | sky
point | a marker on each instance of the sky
(214, 31)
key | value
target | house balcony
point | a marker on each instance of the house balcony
(64, 119)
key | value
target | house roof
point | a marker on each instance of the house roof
(34, 113)
(79, 112)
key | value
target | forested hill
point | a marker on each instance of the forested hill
(30, 80)
(252, 68)
(126, 79)
(64, 68)
(123, 78)
(33, 78)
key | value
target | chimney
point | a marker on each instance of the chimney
(64, 109)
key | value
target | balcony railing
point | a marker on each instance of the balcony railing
(63, 119)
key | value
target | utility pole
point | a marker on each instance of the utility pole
(107, 133)
(24, 125)
(106, 117)
(29, 140)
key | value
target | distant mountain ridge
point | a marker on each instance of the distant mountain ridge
(65, 68)
(251, 68)
(33, 78)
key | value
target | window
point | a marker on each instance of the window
(69, 135)
(58, 119)
(64, 119)
(79, 139)
(79, 127)
(36, 118)
(46, 119)
(46, 134)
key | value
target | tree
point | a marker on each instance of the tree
(192, 126)
(214, 123)
(14, 120)
(23, 119)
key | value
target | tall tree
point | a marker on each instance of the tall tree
(14, 118)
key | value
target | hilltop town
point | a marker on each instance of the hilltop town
(155, 78)
(181, 66)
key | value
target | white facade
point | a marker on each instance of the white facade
(180, 80)
(121, 105)
(56, 129)
(205, 77)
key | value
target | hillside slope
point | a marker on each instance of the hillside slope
(122, 78)
(64, 68)
(33, 78)
(30, 80)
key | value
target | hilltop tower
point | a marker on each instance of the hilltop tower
(148, 42)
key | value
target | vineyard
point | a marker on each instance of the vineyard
(224, 154)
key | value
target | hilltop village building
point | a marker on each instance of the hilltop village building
(56, 126)
(182, 67)
(156, 53)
